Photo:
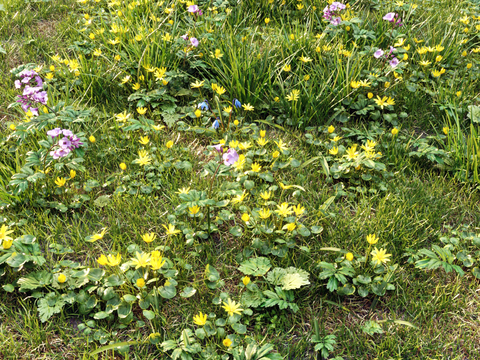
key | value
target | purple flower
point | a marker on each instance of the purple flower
(67, 132)
(194, 42)
(18, 84)
(60, 153)
(65, 143)
(193, 9)
(54, 133)
(336, 21)
(389, 17)
(394, 62)
(219, 148)
(184, 37)
(230, 157)
(378, 53)
(392, 49)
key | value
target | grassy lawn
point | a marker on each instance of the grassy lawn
(239, 180)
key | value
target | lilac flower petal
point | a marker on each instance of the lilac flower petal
(230, 157)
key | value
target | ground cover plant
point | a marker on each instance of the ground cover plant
(239, 179)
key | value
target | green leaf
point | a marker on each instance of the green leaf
(256, 266)
(35, 280)
(114, 280)
(124, 309)
(49, 305)
(100, 315)
(239, 328)
(8, 287)
(236, 231)
(476, 272)
(188, 292)
(167, 292)
(102, 201)
(150, 315)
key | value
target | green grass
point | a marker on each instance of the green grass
(420, 200)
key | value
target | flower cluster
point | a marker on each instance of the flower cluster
(65, 145)
(386, 55)
(31, 94)
(393, 18)
(332, 12)
(193, 41)
(194, 9)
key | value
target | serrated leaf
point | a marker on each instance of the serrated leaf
(257, 266)
(49, 305)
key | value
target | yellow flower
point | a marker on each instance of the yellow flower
(136, 86)
(239, 198)
(385, 101)
(333, 151)
(289, 227)
(4, 232)
(405, 57)
(123, 166)
(246, 280)
(331, 129)
(7, 244)
(197, 84)
(372, 239)
(394, 131)
(263, 133)
(267, 20)
(264, 214)
(200, 319)
(256, 167)
(141, 110)
(352, 153)
(100, 236)
(233, 144)
(298, 210)
(236, 122)
(12, 127)
(370, 95)
(292, 37)
(246, 217)
(220, 90)
(458, 93)
(294, 95)
(281, 145)
(425, 62)
(113, 260)
(349, 256)
(287, 67)
(436, 73)
(355, 84)
(275, 154)
(445, 130)
(91, 138)
(61, 278)
(399, 42)
(266, 195)
(73, 173)
(156, 260)
(102, 260)
(217, 55)
(469, 65)
(438, 58)
(232, 308)
(183, 190)
(198, 113)
(380, 256)
(149, 237)
(169, 144)
(283, 209)
(227, 109)
(49, 76)
(248, 107)
(227, 342)
(140, 282)
(60, 181)
(170, 230)
(194, 209)
(140, 260)
(144, 140)
(387, 84)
